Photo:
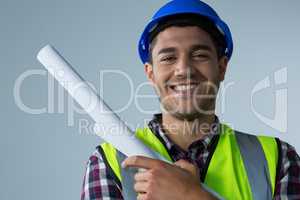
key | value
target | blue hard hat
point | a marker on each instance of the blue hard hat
(184, 7)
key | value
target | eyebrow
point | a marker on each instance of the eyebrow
(194, 48)
(167, 50)
(201, 47)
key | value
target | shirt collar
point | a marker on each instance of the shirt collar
(155, 126)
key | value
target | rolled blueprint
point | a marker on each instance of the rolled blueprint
(109, 126)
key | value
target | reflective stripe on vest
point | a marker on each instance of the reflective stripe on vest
(231, 169)
(256, 165)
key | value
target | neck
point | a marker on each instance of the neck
(183, 132)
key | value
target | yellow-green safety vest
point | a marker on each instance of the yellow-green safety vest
(241, 166)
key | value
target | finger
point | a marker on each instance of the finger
(142, 162)
(140, 187)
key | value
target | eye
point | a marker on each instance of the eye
(200, 56)
(168, 59)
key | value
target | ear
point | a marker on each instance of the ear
(223, 62)
(149, 72)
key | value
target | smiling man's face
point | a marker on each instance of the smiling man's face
(186, 71)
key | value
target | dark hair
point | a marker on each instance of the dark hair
(183, 20)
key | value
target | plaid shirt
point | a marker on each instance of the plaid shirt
(98, 184)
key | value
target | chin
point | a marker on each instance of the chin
(189, 112)
(188, 116)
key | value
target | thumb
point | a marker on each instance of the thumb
(187, 166)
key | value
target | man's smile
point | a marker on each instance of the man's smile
(183, 89)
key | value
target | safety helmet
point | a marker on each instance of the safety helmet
(176, 7)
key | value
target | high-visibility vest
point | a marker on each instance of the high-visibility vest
(241, 166)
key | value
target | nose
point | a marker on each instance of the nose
(184, 68)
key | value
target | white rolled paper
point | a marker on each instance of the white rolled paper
(109, 126)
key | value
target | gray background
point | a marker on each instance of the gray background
(44, 158)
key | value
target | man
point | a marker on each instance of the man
(185, 50)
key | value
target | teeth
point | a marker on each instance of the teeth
(184, 87)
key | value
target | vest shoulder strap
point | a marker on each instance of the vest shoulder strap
(245, 163)
(256, 161)
(110, 154)
(110, 158)
(113, 159)
(271, 150)
(152, 142)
